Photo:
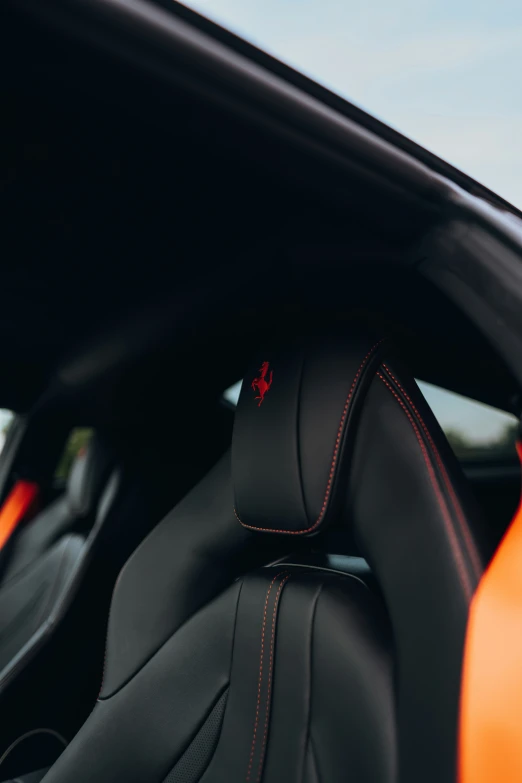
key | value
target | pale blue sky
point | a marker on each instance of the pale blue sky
(446, 73)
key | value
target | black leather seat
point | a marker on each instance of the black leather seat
(219, 670)
(46, 557)
(74, 510)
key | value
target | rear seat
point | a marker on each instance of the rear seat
(47, 557)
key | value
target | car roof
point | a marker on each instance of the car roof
(176, 184)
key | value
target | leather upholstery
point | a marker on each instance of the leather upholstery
(88, 477)
(419, 529)
(290, 451)
(296, 672)
(73, 511)
(29, 601)
(278, 647)
(405, 499)
(30, 777)
(193, 554)
(46, 561)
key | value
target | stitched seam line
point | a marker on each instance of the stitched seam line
(472, 551)
(310, 678)
(334, 460)
(464, 576)
(260, 680)
(270, 670)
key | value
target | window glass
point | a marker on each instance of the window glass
(475, 431)
(78, 440)
(232, 394)
(6, 418)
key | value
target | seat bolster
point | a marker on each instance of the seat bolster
(420, 531)
(188, 559)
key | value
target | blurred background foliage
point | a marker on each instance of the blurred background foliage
(502, 448)
(78, 440)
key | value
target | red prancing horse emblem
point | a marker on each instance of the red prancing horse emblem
(261, 383)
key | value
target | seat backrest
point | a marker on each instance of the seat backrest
(344, 436)
(297, 672)
(45, 559)
(73, 511)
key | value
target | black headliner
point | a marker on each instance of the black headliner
(332, 99)
(149, 211)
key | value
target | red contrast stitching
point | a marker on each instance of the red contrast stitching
(460, 514)
(252, 750)
(334, 460)
(464, 576)
(270, 669)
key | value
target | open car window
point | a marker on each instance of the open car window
(474, 430)
(6, 419)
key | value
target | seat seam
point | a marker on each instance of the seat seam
(314, 760)
(309, 716)
(105, 649)
(189, 743)
(226, 689)
(270, 671)
(54, 584)
(34, 563)
(472, 550)
(326, 571)
(185, 620)
(333, 466)
(452, 536)
(260, 679)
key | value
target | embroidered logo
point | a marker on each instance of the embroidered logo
(261, 383)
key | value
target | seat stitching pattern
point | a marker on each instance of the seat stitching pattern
(260, 680)
(310, 680)
(457, 553)
(270, 670)
(334, 459)
(472, 551)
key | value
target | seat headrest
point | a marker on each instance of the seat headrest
(293, 432)
(88, 476)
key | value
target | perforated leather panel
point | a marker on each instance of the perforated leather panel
(197, 756)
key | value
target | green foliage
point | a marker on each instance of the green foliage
(501, 448)
(78, 439)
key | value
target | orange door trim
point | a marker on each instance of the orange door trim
(490, 735)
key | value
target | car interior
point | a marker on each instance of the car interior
(200, 590)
